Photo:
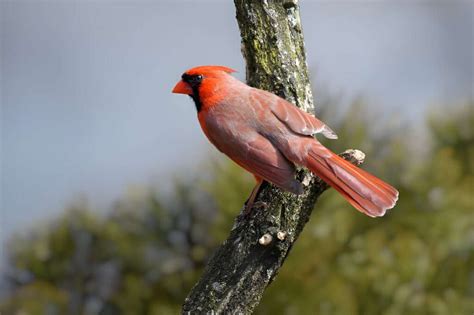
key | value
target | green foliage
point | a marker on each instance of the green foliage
(140, 259)
(144, 256)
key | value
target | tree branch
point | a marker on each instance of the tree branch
(246, 263)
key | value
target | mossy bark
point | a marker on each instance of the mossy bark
(246, 263)
(273, 47)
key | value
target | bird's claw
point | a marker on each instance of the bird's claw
(260, 204)
(257, 205)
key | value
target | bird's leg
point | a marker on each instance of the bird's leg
(251, 200)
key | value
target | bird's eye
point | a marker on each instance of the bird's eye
(194, 80)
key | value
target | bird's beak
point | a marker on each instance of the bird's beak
(182, 88)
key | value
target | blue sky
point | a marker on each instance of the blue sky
(86, 103)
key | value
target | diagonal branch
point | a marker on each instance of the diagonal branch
(246, 263)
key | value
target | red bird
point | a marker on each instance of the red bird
(268, 136)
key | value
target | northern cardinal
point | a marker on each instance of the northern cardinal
(268, 136)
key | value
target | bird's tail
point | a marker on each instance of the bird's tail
(367, 193)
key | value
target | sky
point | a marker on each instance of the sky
(86, 108)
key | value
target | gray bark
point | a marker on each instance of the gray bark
(236, 276)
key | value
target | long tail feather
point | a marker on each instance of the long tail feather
(367, 193)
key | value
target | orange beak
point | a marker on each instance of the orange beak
(182, 88)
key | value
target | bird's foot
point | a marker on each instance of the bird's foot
(261, 205)
(251, 205)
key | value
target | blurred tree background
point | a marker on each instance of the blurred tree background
(145, 254)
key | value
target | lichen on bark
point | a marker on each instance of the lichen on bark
(273, 47)
(249, 259)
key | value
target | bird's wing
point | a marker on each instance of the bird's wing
(262, 159)
(252, 151)
(294, 118)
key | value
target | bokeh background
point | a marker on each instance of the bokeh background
(112, 199)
